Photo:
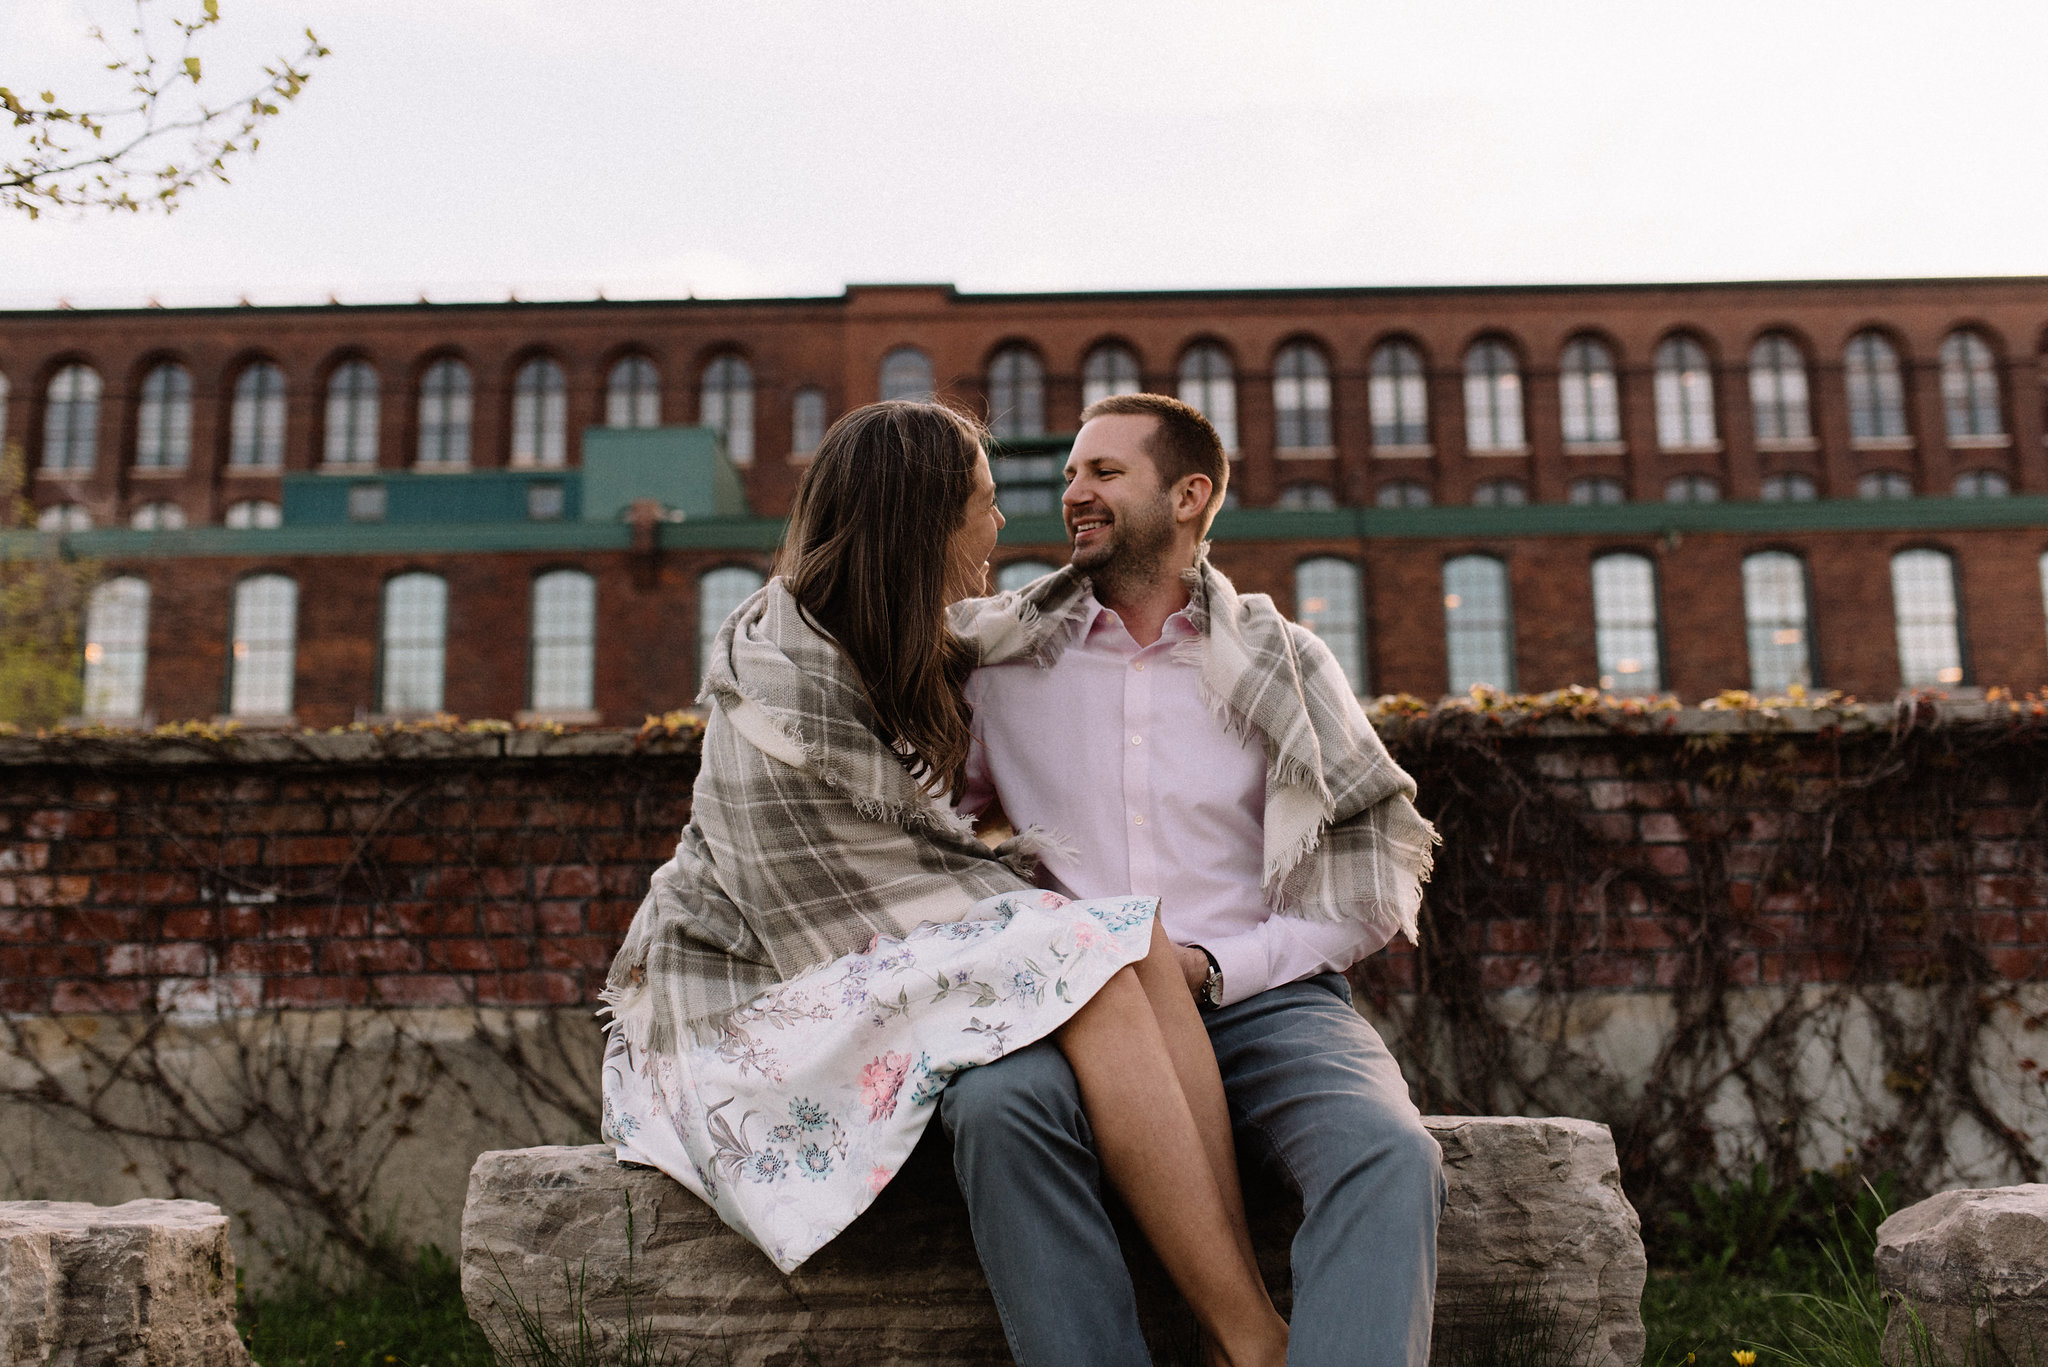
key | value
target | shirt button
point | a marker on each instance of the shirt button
(1137, 820)
(1139, 666)
(1137, 740)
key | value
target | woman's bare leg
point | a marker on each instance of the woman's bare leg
(1147, 1138)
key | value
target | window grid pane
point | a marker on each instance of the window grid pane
(1777, 390)
(1877, 395)
(718, 593)
(1403, 493)
(1775, 610)
(1307, 494)
(539, 414)
(1792, 488)
(726, 405)
(1018, 573)
(907, 374)
(1596, 489)
(1969, 387)
(1493, 399)
(1500, 493)
(1625, 624)
(1016, 394)
(445, 414)
(163, 421)
(632, 394)
(415, 643)
(1478, 630)
(265, 646)
(564, 641)
(116, 648)
(1400, 398)
(1207, 386)
(1924, 603)
(1590, 398)
(352, 415)
(1108, 370)
(254, 512)
(1685, 395)
(1884, 484)
(71, 417)
(1327, 598)
(256, 423)
(806, 421)
(1301, 397)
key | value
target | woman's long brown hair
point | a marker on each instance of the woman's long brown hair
(868, 558)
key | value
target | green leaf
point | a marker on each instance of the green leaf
(212, 8)
(192, 69)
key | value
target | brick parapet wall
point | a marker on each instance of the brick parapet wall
(450, 867)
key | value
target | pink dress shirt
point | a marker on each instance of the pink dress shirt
(1113, 750)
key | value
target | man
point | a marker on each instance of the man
(1174, 738)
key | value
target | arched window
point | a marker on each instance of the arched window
(445, 414)
(1109, 369)
(1790, 488)
(1774, 605)
(907, 374)
(1328, 598)
(1493, 398)
(64, 517)
(1399, 395)
(564, 642)
(1208, 387)
(806, 420)
(1301, 397)
(725, 404)
(632, 394)
(1685, 394)
(1884, 484)
(1692, 489)
(1403, 493)
(415, 637)
(256, 421)
(1982, 484)
(539, 414)
(157, 516)
(718, 593)
(352, 415)
(1625, 624)
(1588, 396)
(1877, 396)
(263, 652)
(1596, 489)
(1500, 493)
(253, 512)
(1016, 393)
(163, 420)
(71, 418)
(1018, 573)
(116, 648)
(1307, 494)
(1924, 607)
(1969, 386)
(1777, 389)
(1478, 624)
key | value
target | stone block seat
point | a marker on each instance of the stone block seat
(1536, 1218)
(146, 1284)
(1971, 1267)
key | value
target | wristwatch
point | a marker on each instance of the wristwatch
(1211, 995)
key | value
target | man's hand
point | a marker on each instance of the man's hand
(1194, 966)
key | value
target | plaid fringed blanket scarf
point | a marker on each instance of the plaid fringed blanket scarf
(1343, 838)
(807, 838)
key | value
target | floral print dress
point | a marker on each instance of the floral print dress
(812, 1096)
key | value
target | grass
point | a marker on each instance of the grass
(417, 1321)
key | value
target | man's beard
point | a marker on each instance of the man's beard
(1134, 552)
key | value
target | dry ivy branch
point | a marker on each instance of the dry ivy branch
(157, 136)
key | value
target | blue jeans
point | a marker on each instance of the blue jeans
(1313, 1093)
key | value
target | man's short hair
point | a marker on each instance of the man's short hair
(1184, 443)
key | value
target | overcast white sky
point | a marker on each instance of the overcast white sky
(467, 148)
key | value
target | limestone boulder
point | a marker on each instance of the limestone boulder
(1972, 1268)
(1536, 1225)
(145, 1284)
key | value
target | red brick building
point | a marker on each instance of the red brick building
(342, 511)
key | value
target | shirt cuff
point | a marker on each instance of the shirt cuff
(1242, 960)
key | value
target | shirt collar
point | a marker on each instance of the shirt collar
(1095, 616)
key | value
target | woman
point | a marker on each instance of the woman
(831, 943)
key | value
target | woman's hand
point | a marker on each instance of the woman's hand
(1194, 966)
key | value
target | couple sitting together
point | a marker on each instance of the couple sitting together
(1146, 979)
